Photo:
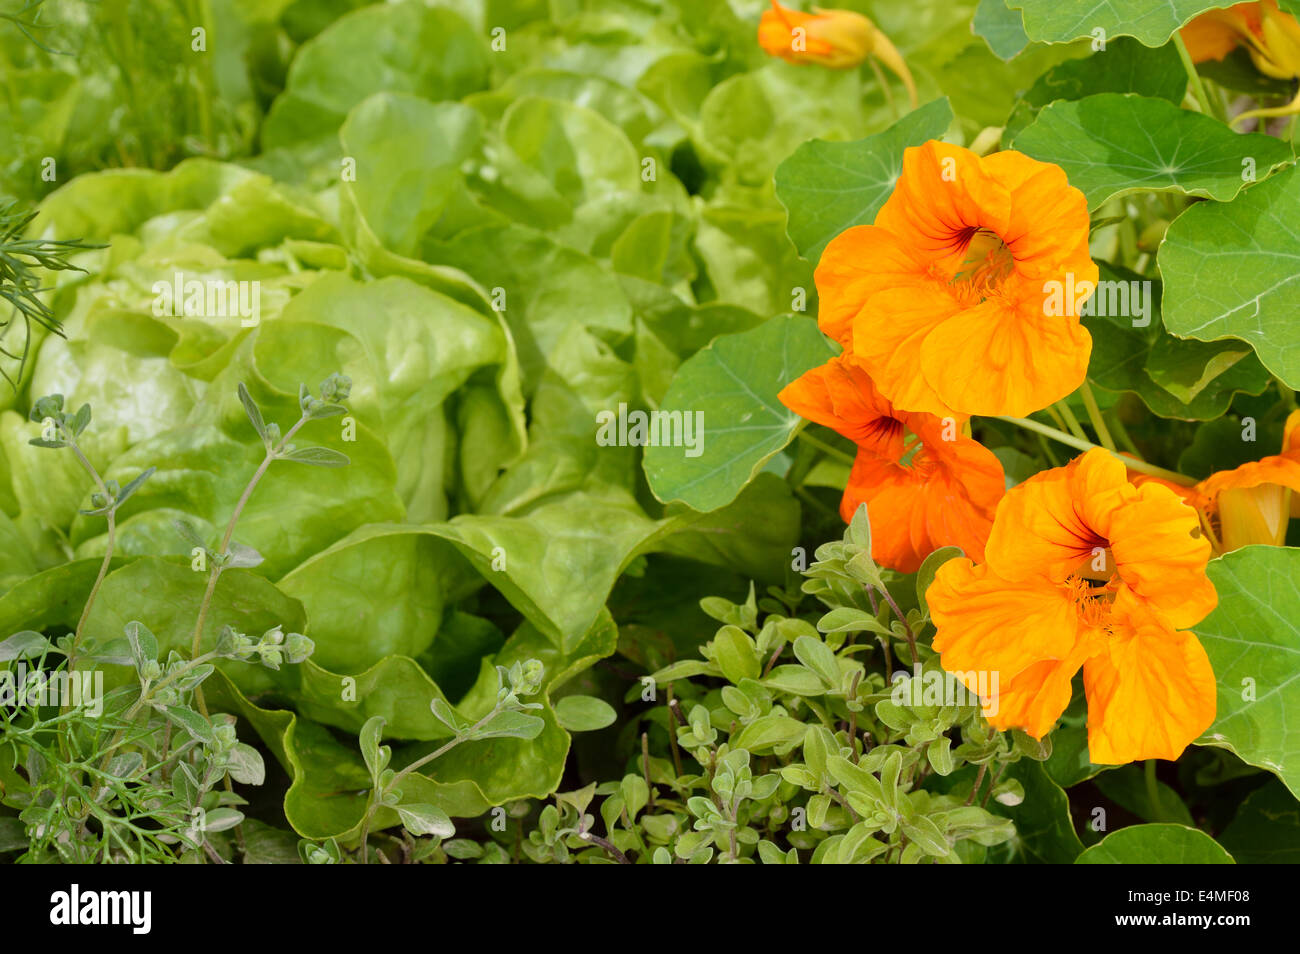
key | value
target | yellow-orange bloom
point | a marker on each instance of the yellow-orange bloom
(1086, 570)
(837, 39)
(925, 484)
(1252, 503)
(963, 297)
(1271, 37)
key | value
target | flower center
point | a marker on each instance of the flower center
(1099, 565)
(883, 429)
(985, 264)
(1093, 601)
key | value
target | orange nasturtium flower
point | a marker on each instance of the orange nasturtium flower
(1271, 37)
(963, 298)
(1252, 503)
(1085, 569)
(837, 39)
(925, 484)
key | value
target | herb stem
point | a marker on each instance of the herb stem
(271, 453)
(111, 517)
(911, 636)
(466, 736)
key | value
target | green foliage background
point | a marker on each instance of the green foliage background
(621, 202)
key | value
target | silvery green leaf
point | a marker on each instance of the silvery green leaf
(133, 486)
(317, 457)
(422, 819)
(254, 414)
(24, 645)
(245, 765)
(444, 714)
(187, 531)
(80, 421)
(376, 755)
(220, 819)
(326, 410)
(189, 720)
(241, 555)
(511, 725)
(125, 766)
(184, 784)
(144, 645)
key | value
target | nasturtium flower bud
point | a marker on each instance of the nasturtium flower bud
(1252, 503)
(836, 39)
(1280, 56)
(1254, 515)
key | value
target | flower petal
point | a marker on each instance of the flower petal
(840, 395)
(857, 264)
(1150, 691)
(1161, 554)
(1042, 527)
(1035, 699)
(984, 622)
(1005, 356)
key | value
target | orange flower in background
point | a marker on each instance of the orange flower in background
(1252, 503)
(1216, 33)
(924, 483)
(1271, 37)
(1086, 570)
(837, 39)
(963, 297)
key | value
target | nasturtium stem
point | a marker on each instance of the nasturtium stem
(1071, 422)
(884, 86)
(1056, 416)
(1122, 433)
(1047, 450)
(826, 448)
(1131, 463)
(1094, 416)
(1287, 393)
(1153, 791)
(813, 502)
(1193, 77)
